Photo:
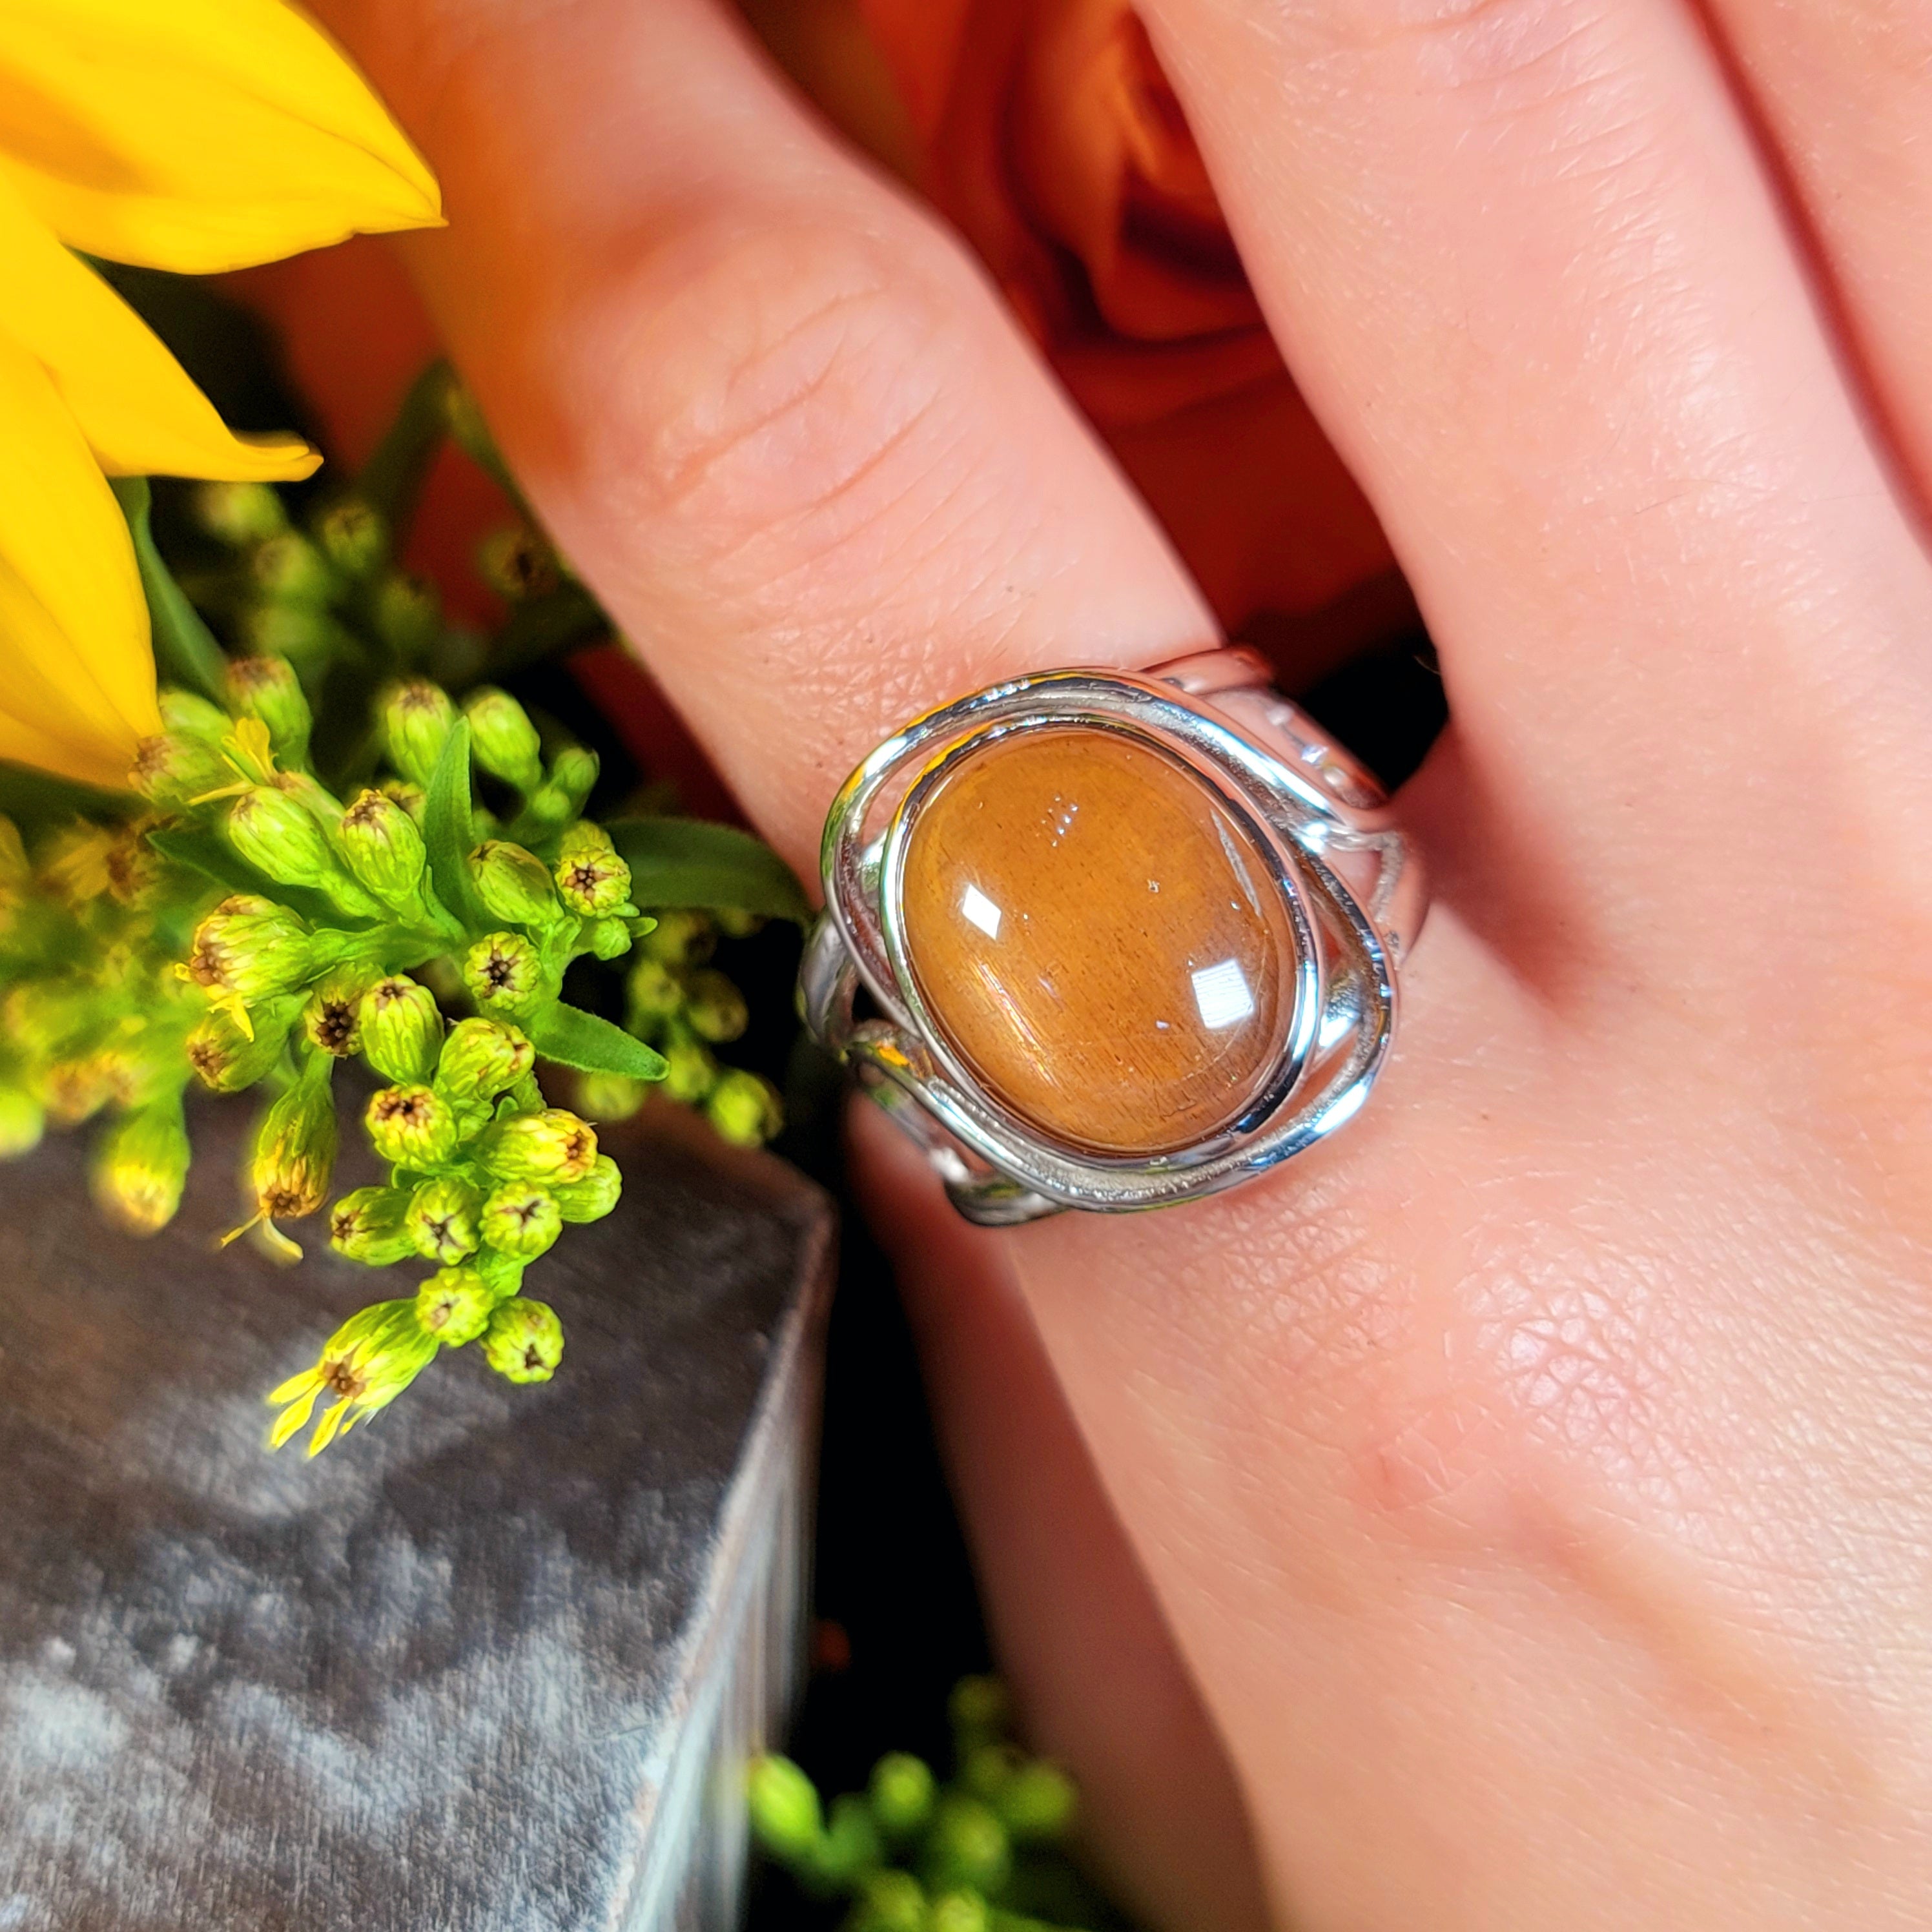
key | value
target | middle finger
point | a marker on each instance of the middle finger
(1527, 266)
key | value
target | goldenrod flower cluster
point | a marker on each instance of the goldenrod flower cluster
(978, 1853)
(290, 865)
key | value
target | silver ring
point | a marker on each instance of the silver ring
(1050, 1030)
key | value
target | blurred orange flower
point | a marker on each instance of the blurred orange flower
(1046, 133)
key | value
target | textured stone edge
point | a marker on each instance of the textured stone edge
(743, 1668)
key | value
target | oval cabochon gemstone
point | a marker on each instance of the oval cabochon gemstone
(1096, 937)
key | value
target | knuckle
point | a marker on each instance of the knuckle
(784, 397)
(1509, 48)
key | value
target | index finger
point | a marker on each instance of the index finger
(772, 413)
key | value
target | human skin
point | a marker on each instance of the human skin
(1525, 1503)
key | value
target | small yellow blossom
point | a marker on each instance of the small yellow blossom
(193, 135)
(364, 1365)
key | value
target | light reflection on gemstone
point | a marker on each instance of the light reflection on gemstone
(1096, 937)
(1221, 994)
(980, 911)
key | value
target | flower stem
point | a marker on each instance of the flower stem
(184, 648)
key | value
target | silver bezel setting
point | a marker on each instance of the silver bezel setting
(1325, 841)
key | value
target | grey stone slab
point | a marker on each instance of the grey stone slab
(488, 1665)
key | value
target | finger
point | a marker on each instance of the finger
(1524, 262)
(772, 414)
(1847, 88)
(1099, 1682)
(786, 433)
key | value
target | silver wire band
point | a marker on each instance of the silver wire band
(1349, 879)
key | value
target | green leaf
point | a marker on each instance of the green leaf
(202, 849)
(572, 1037)
(450, 833)
(690, 863)
(185, 652)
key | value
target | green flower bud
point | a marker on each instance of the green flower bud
(402, 1029)
(517, 564)
(965, 1847)
(521, 1219)
(412, 798)
(371, 1226)
(417, 718)
(364, 1365)
(690, 1072)
(407, 615)
(504, 974)
(22, 1121)
(524, 1342)
(656, 995)
(268, 689)
(385, 850)
(44, 1016)
(353, 537)
(714, 1008)
(250, 947)
(561, 797)
(888, 1901)
(454, 1305)
(173, 768)
(959, 1912)
(442, 1220)
(554, 1146)
(744, 1109)
(481, 1059)
(303, 633)
(851, 1844)
(505, 739)
(903, 1793)
(140, 1165)
(785, 1814)
(331, 1019)
(238, 514)
(184, 715)
(734, 924)
(981, 1712)
(295, 1148)
(225, 1059)
(1036, 1803)
(514, 883)
(411, 1127)
(289, 569)
(74, 1089)
(681, 937)
(280, 837)
(610, 938)
(988, 1768)
(591, 878)
(609, 1097)
(593, 1197)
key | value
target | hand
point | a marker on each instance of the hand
(1536, 1483)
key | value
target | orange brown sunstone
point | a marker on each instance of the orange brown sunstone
(1098, 940)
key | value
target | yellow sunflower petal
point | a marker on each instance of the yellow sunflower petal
(198, 135)
(76, 675)
(132, 401)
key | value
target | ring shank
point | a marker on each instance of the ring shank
(1239, 683)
